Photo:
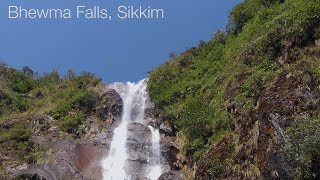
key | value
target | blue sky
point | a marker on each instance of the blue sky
(117, 50)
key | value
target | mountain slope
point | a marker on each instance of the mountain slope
(243, 100)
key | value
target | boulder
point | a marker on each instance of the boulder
(172, 175)
(166, 129)
(169, 152)
(110, 105)
(69, 160)
(138, 133)
(119, 87)
(42, 119)
(52, 171)
(9, 123)
(30, 176)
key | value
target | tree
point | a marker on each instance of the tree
(26, 70)
(173, 55)
(70, 75)
(219, 37)
(53, 76)
(3, 64)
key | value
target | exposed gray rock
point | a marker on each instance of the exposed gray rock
(172, 175)
(52, 171)
(70, 158)
(119, 87)
(42, 119)
(110, 105)
(69, 161)
(166, 129)
(53, 129)
(169, 152)
(138, 133)
(9, 123)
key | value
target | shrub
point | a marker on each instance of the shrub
(303, 148)
(51, 78)
(71, 124)
(195, 148)
(80, 101)
(317, 72)
(86, 80)
(242, 14)
(21, 83)
(26, 70)
(61, 110)
(216, 167)
(219, 37)
(22, 104)
(17, 139)
(5, 101)
(84, 101)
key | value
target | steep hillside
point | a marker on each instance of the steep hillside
(48, 123)
(246, 103)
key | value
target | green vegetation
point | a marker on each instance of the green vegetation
(303, 148)
(17, 139)
(23, 95)
(71, 124)
(204, 89)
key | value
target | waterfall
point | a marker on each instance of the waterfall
(114, 166)
(155, 159)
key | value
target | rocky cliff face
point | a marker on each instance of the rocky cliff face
(259, 141)
(67, 157)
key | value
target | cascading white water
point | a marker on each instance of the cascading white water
(134, 101)
(155, 161)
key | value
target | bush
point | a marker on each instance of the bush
(5, 102)
(86, 80)
(79, 101)
(61, 110)
(84, 101)
(242, 14)
(17, 139)
(195, 148)
(71, 124)
(21, 83)
(216, 167)
(51, 78)
(303, 148)
(22, 104)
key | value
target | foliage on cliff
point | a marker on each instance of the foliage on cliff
(23, 94)
(208, 89)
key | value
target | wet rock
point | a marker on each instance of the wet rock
(138, 156)
(119, 87)
(87, 159)
(137, 177)
(138, 133)
(169, 152)
(135, 168)
(68, 161)
(172, 175)
(166, 129)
